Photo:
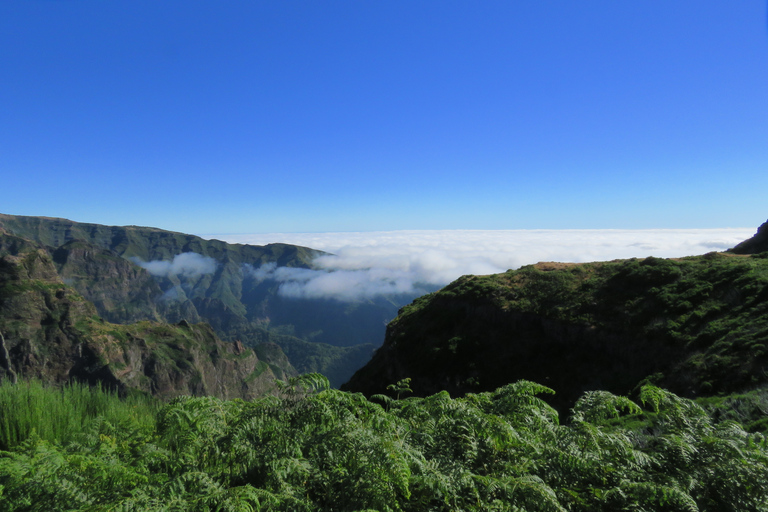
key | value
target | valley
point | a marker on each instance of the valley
(133, 274)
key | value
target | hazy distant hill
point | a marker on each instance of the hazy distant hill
(695, 325)
(136, 273)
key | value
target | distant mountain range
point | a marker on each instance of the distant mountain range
(133, 274)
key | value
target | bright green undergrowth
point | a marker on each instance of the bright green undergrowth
(54, 414)
(315, 448)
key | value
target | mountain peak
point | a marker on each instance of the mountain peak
(758, 243)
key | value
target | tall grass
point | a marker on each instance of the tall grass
(57, 414)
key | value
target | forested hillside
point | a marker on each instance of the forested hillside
(696, 325)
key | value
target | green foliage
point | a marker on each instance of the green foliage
(319, 449)
(48, 413)
(402, 386)
(750, 409)
(696, 325)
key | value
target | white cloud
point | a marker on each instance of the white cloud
(383, 263)
(340, 284)
(187, 264)
(172, 295)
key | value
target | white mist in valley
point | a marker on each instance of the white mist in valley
(366, 265)
(339, 284)
(186, 264)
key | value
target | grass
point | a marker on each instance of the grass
(57, 414)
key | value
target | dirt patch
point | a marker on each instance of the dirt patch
(553, 265)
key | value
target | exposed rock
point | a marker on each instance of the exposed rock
(122, 291)
(51, 333)
(100, 262)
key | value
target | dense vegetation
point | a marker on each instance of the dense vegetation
(697, 326)
(59, 415)
(315, 448)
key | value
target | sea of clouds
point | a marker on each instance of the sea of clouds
(386, 263)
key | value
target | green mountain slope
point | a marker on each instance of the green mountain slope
(50, 332)
(136, 273)
(211, 292)
(697, 326)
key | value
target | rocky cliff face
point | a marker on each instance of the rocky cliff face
(217, 286)
(37, 313)
(50, 332)
(696, 326)
(121, 291)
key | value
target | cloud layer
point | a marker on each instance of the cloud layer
(365, 265)
(187, 264)
(339, 284)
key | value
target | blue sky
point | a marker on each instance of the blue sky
(235, 116)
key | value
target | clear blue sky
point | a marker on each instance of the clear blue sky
(237, 116)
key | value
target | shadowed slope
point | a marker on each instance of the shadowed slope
(696, 325)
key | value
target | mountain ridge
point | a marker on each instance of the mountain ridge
(134, 280)
(756, 244)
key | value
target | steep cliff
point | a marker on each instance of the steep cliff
(697, 326)
(207, 285)
(136, 273)
(50, 332)
(121, 291)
